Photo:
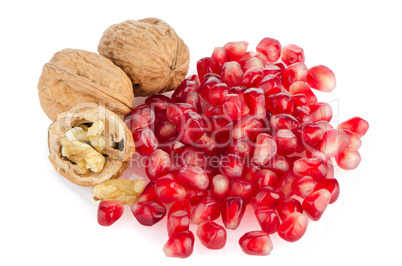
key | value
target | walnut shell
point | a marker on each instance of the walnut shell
(75, 76)
(149, 51)
(119, 139)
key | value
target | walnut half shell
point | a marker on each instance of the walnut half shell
(117, 149)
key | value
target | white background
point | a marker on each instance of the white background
(46, 220)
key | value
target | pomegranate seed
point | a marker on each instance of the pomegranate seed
(172, 146)
(195, 195)
(242, 188)
(355, 141)
(334, 142)
(315, 204)
(185, 87)
(206, 65)
(232, 73)
(356, 125)
(142, 116)
(320, 111)
(280, 65)
(264, 178)
(325, 125)
(250, 171)
(299, 100)
(221, 130)
(239, 90)
(208, 144)
(309, 135)
(285, 183)
(211, 235)
(209, 81)
(332, 186)
(168, 190)
(220, 56)
(279, 164)
(348, 159)
(286, 141)
(158, 102)
(206, 209)
(194, 99)
(293, 73)
(175, 112)
(272, 70)
(304, 186)
(288, 206)
(321, 78)
(177, 221)
(314, 167)
(179, 245)
(293, 227)
(193, 176)
(292, 54)
(213, 111)
(270, 84)
(158, 164)
(232, 166)
(247, 127)
(148, 213)
(265, 149)
(145, 141)
(218, 92)
(256, 243)
(241, 147)
(251, 77)
(302, 114)
(268, 219)
(192, 156)
(235, 50)
(232, 211)
(284, 121)
(233, 107)
(220, 187)
(165, 130)
(255, 100)
(148, 194)
(109, 211)
(253, 63)
(192, 129)
(252, 54)
(180, 205)
(195, 78)
(267, 196)
(300, 87)
(271, 48)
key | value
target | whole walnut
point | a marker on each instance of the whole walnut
(149, 51)
(75, 76)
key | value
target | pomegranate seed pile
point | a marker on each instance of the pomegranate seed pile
(247, 130)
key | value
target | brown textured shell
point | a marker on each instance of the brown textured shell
(149, 51)
(116, 133)
(75, 76)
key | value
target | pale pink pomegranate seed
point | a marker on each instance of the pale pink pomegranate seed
(158, 102)
(192, 129)
(193, 176)
(355, 141)
(179, 245)
(242, 188)
(304, 186)
(206, 65)
(180, 205)
(334, 142)
(209, 81)
(217, 92)
(264, 178)
(236, 50)
(293, 227)
(192, 156)
(284, 121)
(356, 125)
(109, 211)
(332, 186)
(211, 235)
(300, 87)
(145, 141)
(175, 112)
(293, 73)
(220, 185)
(241, 147)
(348, 159)
(272, 70)
(279, 103)
(267, 196)
(177, 221)
(232, 211)
(321, 78)
(220, 56)
(158, 164)
(253, 63)
(148, 213)
(168, 190)
(185, 87)
(251, 77)
(232, 166)
(315, 204)
(285, 183)
(255, 100)
(165, 130)
(206, 209)
(233, 107)
(271, 48)
(268, 219)
(292, 54)
(286, 141)
(270, 84)
(232, 73)
(247, 127)
(320, 111)
(288, 206)
(141, 116)
(314, 167)
(265, 149)
(256, 243)
(252, 54)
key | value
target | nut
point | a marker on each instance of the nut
(82, 136)
(149, 51)
(75, 76)
(127, 191)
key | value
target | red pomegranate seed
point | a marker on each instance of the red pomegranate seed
(292, 54)
(256, 243)
(194, 99)
(185, 87)
(302, 114)
(241, 147)
(252, 54)
(179, 245)
(192, 156)
(177, 221)
(293, 227)
(355, 141)
(356, 125)
(279, 164)
(175, 112)
(272, 70)
(285, 183)
(206, 65)
(206, 209)
(213, 111)
(148, 213)
(165, 130)
(304, 186)
(195, 195)
(300, 87)
(232, 211)
(158, 102)
(325, 125)
(239, 90)
(211, 235)
(314, 167)
(348, 159)
(265, 149)
(195, 78)
(231, 165)
(192, 129)
(218, 92)
(251, 77)
(267, 196)
(334, 142)
(250, 171)
(158, 164)
(247, 127)
(168, 190)
(180, 205)
(220, 185)
(280, 103)
(235, 50)
(288, 206)
(255, 100)
(148, 194)
(242, 188)
(320, 111)
(140, 117)
(332, 186)
(109, 211)
(284, 121)
(172, 146)
(270, 84)
(221, 130)
(264, 178)
(208, 144)
(209, 81)
(271, 48)
(315, 204)
(232, 73)
(253, 63)
(309, 135)
(293, 73)
(233, 107)
(145, 141)
(321, 78)
(193, 176)
(286, 141)
(268, 219)
(299, 100)
(220, 56)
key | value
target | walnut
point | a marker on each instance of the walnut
(75, 76)
(90, 144)
(127, 191)
(149, 51)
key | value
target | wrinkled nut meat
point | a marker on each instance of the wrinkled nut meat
(90, 144)
(75, 76)
(149, 51)
(124, 190)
